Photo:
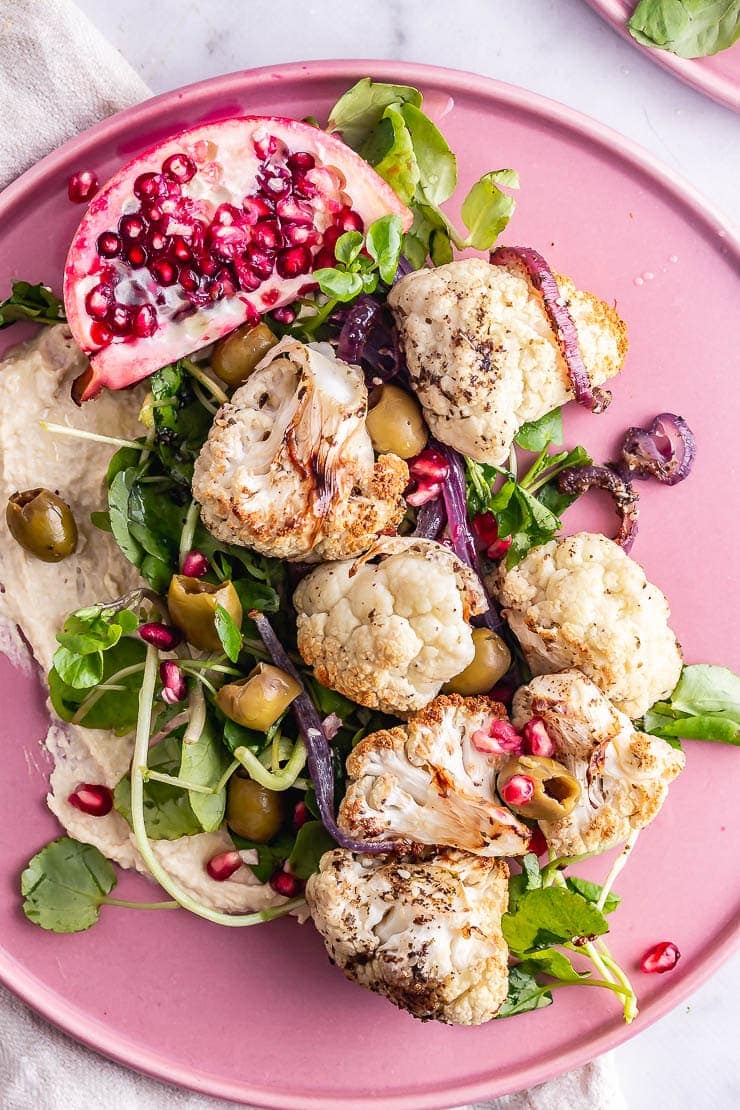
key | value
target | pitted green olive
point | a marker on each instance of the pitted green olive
(259, 699)
(490, 663)
(394, 422)
(537, 787)
(235, 357)
(43, 524)
(192, 604)
(253, 811)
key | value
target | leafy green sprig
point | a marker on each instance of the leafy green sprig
(36, 303)
(689, 28)
(704, 706)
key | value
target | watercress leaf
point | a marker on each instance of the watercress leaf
(531, 871)
(168, 814)
(706, 690)
(550, 916)
(339, 284)
(124, 458)
(78, 671)
(96, 632)
(436, 163)
(361, 108)
(718, 729)
(311, 842)
(369, 282)
(537, 434)
(156, 572)
(592, 892)
(486, 210)
(115, 710)
(383, 241)
(689, 28)
(269, 856)
(550, 961)
(203, 762)
(127, 621)
(524, 993)
(398, 165)
(31, 302)
(440, 247)
(229, 635)
(118, 498)
(65, 884)
(328, 701)
(237, 736)
(348, 246)
(101, 520)
(181, 425)
(156, 520)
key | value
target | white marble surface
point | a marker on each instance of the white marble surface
(687, 1061)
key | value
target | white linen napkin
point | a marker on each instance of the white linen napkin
(58, 75)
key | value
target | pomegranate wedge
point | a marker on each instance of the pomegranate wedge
(205, 231)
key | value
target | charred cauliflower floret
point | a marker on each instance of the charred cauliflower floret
(426, 934)
(288, 467)
(389, 629)
(623, 774)
(482, 354)
(582, 602)
(427, 783)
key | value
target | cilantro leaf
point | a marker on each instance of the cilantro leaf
(550, 915)
(689, 28)
(31, 302)
(65, 884)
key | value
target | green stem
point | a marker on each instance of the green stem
(174, 780)
(140, 905)
(200, 376)
(225, 777)
(207, 405)
(99, 691)
(165, 880)
(312, 326)
(630, 998)
(96, 437)
(188, 531)
(197, 722)
(616, 867)
(201, 678)
(280, 780)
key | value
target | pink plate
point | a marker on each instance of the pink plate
(260, 1015)
(717, 76)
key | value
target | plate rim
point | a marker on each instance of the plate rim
(720, 89)
(92, 1032)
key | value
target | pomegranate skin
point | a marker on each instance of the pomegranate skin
(199, 170)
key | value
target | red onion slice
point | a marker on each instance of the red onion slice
(665, 451)
(318, 751)
(430, 519)
(561, 320)
(575, 480)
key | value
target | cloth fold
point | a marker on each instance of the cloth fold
(58, 76)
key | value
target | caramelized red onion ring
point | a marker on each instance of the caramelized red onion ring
(666, 450)
(561, 320)
(576, 480)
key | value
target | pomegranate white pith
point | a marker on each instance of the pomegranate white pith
(205, 231)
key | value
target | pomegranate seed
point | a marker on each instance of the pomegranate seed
(98, 301)
(135, 255)
(119, 319)
(537, 842)
(225, 278)
(195, 565)
(178, 167)
(518, 790)
(155, 214)
(269, 297)
(162, 636)
(100, 334)
(301, 160)
(82, 186)
(163, 271)
(253, 315)
(227, 240)
(498, 549)
(500, 737)
(662, 957)
(424, 493)
(92, 798)
(303, 185)
(131, 227)
(147, 186)
(206, 264)
(260, 261)
(144, 322)
(223, 866)
(266, 234)
(228, 214)
(189, 280)
(294, 261)
(204, 149)
(174, 686)
(268, 146)
(537, 739)
(247, 278)
(255, 208)
(325, 257)
(294, 211)
(485, 527)
(429, 464)
(108, 244)
(298, 235)
(284, 315)
(158, 241)
(331, 235)
(276, 184)
(349, 220)
(180, 249)
(285, 884)
(301, 814)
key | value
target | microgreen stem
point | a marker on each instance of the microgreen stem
(280, 780)
(312, 325)
(201, 678)
(140, 905)
(197, 718)
(188, 531)
(96, 437)
(174, 780)
(225, 777)
(207, 405)
(630, 998)
(101, 690)
(176, 722)
(205, 380)
(616, 867)
(165, 880)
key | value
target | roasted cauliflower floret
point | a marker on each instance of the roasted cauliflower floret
(425, 934)
(389, 629)
(482, 354)
(288, 467)
(582, 602)
(425, 782)
(624, 775)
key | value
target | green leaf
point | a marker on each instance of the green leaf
(342, 285)
(237, 736)
(270, 856)
(549, 961)
(348, 246)
(537, 434)
(203, 762)
(529, 878)
(168, 814)
(592, 892)
(229, 635)
(116, 710)
(397, 165)
(118, 497)
(383, 241)
(704, 706)
(550, 916)
(361, 108)
(31, 302)
(310, 844)
(524, 993)
(436, 163)
(80, 671)
(486, 210)
(689, 28)
(65, 884)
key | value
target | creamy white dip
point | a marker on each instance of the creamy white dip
(35, 381)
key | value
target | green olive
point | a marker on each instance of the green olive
(252, 810)
(259, 699)
(555, 791)
(43, 524)
(192, 604)
(490, 663)
(235, 357)
(394, 422)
